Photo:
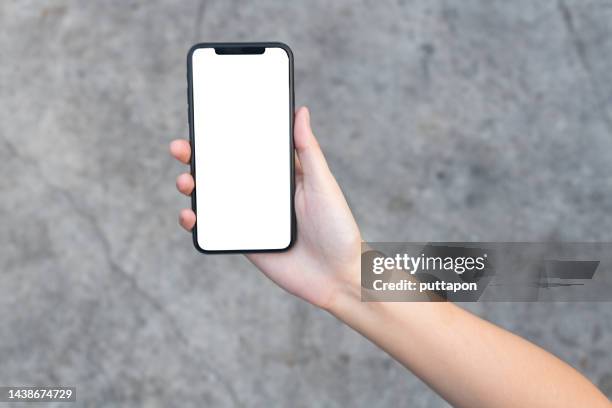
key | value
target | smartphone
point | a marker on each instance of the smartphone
(241, 106)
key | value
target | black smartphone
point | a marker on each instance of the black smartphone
(241, 106)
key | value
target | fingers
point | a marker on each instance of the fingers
(181, 150)
(185, 184)
(310, 156)
(298, 165)
(187, 219)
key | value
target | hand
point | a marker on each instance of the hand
(324, 260)
(492, 368)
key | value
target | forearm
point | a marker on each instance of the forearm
(468, 361)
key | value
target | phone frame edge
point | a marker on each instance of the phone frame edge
(287, 49)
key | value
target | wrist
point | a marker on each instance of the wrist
(345, 298)
(349, 288)
(347, 291)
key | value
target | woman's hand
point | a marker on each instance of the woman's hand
(468, 361)
(325, 258)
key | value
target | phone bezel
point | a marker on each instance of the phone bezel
(242, 46)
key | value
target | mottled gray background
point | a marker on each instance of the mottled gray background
(443, 120)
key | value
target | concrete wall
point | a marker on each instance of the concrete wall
(442, 120)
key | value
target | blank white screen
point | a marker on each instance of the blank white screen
(242, 149)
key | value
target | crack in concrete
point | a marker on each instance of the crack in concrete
(122, 273)
(199, 19)
(11, 148)
(119, 270)
(568, 19)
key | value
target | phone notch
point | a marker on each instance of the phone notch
(239, 50)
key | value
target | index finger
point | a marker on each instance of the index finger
(181, 150)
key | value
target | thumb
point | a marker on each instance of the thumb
(309, 152)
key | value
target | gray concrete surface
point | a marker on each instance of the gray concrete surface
(443, 120)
